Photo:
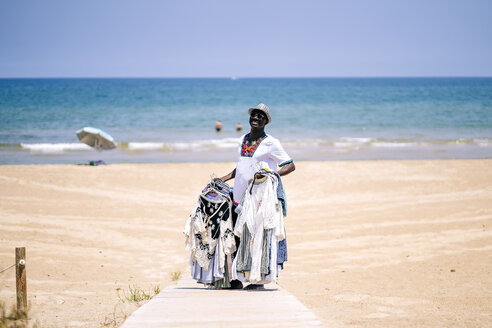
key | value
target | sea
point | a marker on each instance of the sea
(162, 120)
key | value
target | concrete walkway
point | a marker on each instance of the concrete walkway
(189, 304)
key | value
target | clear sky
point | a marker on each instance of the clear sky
(248, 38)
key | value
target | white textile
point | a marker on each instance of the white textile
(269, 151)
(260, 210)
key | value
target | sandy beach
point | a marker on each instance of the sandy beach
(371, 243)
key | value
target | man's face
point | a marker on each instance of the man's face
(257, 119)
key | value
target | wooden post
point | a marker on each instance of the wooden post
(20, 278)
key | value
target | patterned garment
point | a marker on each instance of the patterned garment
(244, 259)
(216, 217)
(209, 229)
(215, 212)
(282, 253)
(243, 256)
(266, 252)
(223, 282)
(281, 194)
(249, 146)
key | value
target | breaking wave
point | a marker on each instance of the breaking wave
(229, 144)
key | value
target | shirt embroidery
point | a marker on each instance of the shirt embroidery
(248, 147)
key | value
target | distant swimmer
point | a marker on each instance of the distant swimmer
(218, 126)
(239, 127)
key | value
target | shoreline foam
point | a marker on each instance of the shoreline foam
(217, 149)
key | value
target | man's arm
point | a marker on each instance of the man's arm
(229, 176)
(286, 169)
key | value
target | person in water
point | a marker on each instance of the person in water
(218, 126)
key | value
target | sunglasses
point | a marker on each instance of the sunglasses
(258, 115)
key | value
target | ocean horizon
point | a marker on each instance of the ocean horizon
(157, 120)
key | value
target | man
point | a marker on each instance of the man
(256, 147)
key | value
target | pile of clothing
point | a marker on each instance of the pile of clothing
(209, 236)
(209, 233)
(260, 225)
